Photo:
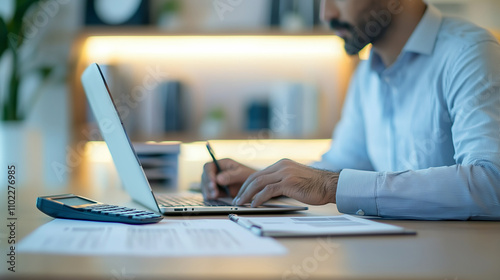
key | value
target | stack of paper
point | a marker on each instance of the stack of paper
(167, 238)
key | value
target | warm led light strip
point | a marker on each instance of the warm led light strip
(100, 48)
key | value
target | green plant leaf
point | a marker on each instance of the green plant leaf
(171, 6)
(22, 7)
(3, 36)
(46, 71)
(16, 24)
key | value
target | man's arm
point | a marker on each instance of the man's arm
(315, 185)
(468, 190)
(292, 179)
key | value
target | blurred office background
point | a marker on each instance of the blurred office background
(188, 70)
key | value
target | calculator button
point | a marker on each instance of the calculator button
(127, 213)
(134, 214)
(138, 217)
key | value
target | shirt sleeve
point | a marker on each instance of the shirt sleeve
(468, 190)
(348, 149)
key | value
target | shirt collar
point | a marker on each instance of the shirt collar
(424, 37)
(422, 40)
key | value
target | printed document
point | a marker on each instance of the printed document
(167, 238)
(316, 226)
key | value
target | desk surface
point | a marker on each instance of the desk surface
(440, 250)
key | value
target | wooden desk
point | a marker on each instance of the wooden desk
(440, 250)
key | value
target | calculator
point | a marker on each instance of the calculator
(70, 206)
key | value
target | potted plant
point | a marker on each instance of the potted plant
(168, 18)
(12, 37)
(14, 137)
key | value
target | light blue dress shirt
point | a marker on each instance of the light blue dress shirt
(421, 139)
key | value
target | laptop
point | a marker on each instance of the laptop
(129, 167)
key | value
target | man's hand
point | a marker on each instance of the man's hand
(289, 178)
(233, 175)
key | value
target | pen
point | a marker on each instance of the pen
(256, 229)
(217, 166)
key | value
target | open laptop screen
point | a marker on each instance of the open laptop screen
(114, 134)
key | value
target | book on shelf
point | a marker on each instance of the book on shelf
(160, 162)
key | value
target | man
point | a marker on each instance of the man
(419, 136)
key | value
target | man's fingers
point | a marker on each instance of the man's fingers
(208, 186)
(267, 193)
(255, 186)
(271, 169)
(204, 182)
(209, 190)
(210, 171)
(227, 163)
(229, 171)
(244, 187)
(214, 191)
(231, 176)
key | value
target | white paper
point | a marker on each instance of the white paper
(323, 225)
(167, 238)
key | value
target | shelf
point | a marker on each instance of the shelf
(154, 31)
(187, 137)
(220, 69)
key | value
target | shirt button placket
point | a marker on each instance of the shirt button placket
(391, 112)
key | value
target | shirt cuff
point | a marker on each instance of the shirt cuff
(324, 165)
(356, 192)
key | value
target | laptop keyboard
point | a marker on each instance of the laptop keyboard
(182, 201)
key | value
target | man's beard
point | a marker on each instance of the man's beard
(358, 39)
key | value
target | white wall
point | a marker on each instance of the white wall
(220, 86)
(482, 12)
